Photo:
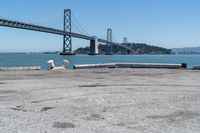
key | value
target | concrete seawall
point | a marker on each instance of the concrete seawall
(131, 65)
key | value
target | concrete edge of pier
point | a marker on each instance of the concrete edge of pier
(196, 68)
(131, 65)
(20, 68)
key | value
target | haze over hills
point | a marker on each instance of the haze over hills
(186, 50)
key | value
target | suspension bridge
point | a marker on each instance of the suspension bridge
(67, 34)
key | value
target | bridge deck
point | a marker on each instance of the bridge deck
(33, 27)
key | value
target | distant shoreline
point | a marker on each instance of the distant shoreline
(99, 54)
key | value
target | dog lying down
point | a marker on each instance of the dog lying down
(53, 67)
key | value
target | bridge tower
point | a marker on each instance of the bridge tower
(125, 40)
(67, 39)
(109, 39)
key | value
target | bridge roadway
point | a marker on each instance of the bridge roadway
(33, 27)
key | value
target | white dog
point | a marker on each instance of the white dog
(53, 67)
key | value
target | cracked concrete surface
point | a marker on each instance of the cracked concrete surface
(100, 100)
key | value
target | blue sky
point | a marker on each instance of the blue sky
(166, 23)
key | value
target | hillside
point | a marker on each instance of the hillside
(187, 50)
(137, 48)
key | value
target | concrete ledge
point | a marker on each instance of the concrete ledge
(151, 65)
(20, 68)
(131, 65)
(196, 68)
(85, 66)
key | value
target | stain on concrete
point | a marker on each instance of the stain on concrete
(2, 82)
(35, 102)
(127, 85)
(131, 126)
(104, 109)
(99, 72)
(36, 75)
(46, 108)
(63, 125)
(93, 85)
(99, 78)
(94, 117)
(19, 109)
(7, 91)
(51, 99)
(20, 106)
(121, 124)
(176, 116)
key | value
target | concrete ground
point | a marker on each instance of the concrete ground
(100, 101)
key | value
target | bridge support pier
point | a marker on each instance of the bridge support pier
(94, 46)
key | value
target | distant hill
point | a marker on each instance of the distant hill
(142, 48)
(137, 48)
(186, 50)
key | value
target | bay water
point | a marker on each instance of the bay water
(22, 59)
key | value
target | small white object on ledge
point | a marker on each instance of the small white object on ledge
(53, 67)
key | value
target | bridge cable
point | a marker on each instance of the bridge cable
(75, 27)
(115, 38)
(122, 46)
(57, 18)
(81, 27)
